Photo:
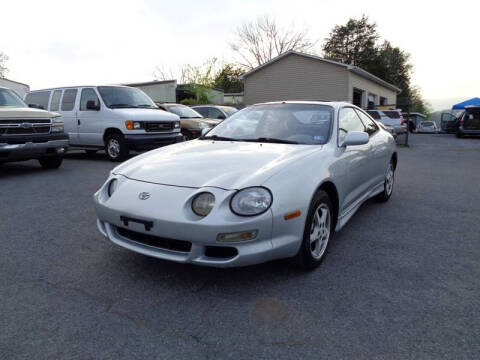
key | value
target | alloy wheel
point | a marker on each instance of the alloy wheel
(320, 231)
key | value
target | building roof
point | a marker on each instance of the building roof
(16, 82)
(155, 82)
(353, 69)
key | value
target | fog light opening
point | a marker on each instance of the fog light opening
(237, 236)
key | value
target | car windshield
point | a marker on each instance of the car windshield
(392, 114)
(125, 97)
(184, 111)
(8, 98)
(229, 110)
(277, 123)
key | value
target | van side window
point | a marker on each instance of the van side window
(68, 101)
(88, 95)
(370, 125)
(38, 99)
(54, 105)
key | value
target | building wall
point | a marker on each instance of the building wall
(216, 96)
(161, 92)
(235, 99)
(370, 87)
(20, 89)
(296, 77)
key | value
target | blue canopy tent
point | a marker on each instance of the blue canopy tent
(461, 106)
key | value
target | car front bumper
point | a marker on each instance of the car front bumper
(34, 148)
(150, 141)
(168, 211)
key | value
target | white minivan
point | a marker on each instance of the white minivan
(115, 118)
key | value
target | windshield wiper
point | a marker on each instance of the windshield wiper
(271, 140)
(113, 106)
(219, 138)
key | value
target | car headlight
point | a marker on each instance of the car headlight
(202, 125)
(111, 187)
(57, 125)
(203, 203)
(176, 125)
(251, 201)
(133, 125)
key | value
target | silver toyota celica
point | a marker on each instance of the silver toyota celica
(274, 180)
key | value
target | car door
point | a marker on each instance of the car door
(90, 126)
(351, 165)
(378, 155)
(68, 111)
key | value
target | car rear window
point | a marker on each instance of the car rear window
(392, 114)
(427, 123)
(38, 99)
(374, 114)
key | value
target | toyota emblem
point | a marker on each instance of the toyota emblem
(143, 195)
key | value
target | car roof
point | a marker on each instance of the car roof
(75, 87)
(334, 104)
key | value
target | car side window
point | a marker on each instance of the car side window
(88, 95)
(55, 103)
(68, 100)
(214, 113)
(348, 120)
(202, 110)
(370, 125)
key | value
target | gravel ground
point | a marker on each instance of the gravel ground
(401, 280)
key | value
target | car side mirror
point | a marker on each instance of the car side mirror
(36, 106)
(91, 105)
(355, 138)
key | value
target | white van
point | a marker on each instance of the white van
(114, 118)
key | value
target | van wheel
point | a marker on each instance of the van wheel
(319, 229)
(116, 148)
(51, 162)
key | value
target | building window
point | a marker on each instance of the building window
(358, 97)
(383, 100)
(372, 101)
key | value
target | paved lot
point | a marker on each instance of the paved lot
(402, 280)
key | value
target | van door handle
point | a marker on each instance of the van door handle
(78, 121)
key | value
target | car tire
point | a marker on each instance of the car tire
(51, 162)
(91, 152)
(388, 184)
(116, 148)
(318, 232)
(187, 135)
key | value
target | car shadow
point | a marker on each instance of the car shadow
(20, 168)
(98, 156)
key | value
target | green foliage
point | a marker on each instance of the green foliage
(356, 43)
(200, 94)
(228, 80)
(353, 43)
(189, 101)
(3, 67)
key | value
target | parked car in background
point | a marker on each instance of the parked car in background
(469, 122)
(215, 111)
(27, 133)
(388, 128)
(449, 122)
(114, 118)
(427, 127)
(191, 122)
(391, 118)
(272, 181)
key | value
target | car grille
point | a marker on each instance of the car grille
(155, 241)
(24, 126)
(159, 126)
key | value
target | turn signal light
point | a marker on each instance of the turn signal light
(292, 215)
(238, 236)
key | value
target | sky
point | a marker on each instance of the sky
(54, 43)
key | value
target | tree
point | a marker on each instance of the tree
(228, 80)
(198, 79)
(353, 43)
(356, 43)
(261, 40)
(3, 67)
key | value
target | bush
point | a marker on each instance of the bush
(189, 101)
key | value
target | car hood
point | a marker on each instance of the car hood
(145, 114)
(29, 113)
(223, 164)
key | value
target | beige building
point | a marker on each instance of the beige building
(298, 76)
